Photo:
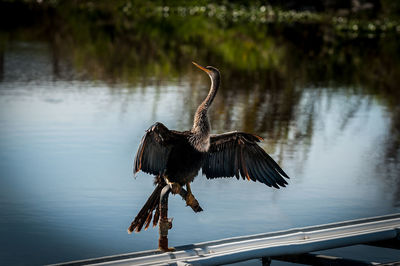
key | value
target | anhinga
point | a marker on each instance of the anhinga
(175, 157)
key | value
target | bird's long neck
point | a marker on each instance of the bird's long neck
(201, 126)
(211, 94)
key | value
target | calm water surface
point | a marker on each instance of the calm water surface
(67, 145)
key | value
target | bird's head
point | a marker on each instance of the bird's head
(211, 71)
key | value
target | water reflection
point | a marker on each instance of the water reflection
(74, 105)
(263, 68)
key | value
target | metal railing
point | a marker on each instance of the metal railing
(290, 245)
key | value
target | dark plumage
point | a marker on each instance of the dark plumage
(176, 157)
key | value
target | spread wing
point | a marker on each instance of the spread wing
(154, 149)
(238, 154)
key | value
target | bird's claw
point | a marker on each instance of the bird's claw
(193, 203)
(175, 188)
(167, 249)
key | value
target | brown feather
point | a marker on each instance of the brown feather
(156, 217)
(148, 220)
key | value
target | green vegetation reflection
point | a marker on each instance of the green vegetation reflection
(271, 58)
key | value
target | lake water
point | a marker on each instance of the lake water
(68, 139)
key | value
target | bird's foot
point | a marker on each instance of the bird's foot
(163, 244)
(175, 188)
(167, 249)
(193, 203)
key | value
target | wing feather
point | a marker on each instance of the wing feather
(270, 171)
(259, 170)
(251, 167)
(269, 174)
(230, 158)
(238, 154)
(237, 160)
(154, 149)
(242, 165)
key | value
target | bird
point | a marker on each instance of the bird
(176, 157)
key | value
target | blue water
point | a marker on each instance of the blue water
(67, 145)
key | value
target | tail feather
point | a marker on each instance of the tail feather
(148, 220)
(156, 217)
(146, 213)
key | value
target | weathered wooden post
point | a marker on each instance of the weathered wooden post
(165, 224)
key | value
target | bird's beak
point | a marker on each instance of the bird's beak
(202, 68)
